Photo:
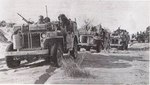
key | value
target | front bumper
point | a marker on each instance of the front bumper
(26, 53)
(116, 45)
(86, 45)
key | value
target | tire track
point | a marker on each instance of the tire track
(50, 71)
(43, 78)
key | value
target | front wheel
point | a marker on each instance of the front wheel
(78, 48)
(74, 52)
(126, 47)
(120, 48)
(88, 48)
(11, 62)
(98, 46)
(58, 55)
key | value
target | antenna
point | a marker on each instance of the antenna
(46, 11)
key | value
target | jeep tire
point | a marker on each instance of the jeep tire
(120, 48)
(58, 55)
(88, 48)
(74, 52)
(78, 48)
(10, 60)
(98, 46)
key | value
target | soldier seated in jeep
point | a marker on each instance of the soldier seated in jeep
(46, 20)
(41, 20)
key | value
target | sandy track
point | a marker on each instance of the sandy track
(127, 68)
(37, 72)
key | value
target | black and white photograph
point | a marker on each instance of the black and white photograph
(104, 42)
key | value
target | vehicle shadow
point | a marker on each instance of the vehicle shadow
(102, 61)
(26, 64)
(44, 77)
(34, 64)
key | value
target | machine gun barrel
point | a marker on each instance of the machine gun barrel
(25, 19)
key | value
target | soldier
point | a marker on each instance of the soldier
(144, 37)
(67, 30)
(138, 37)
(141, 36)
(41, 20)
(133, 36)
(93, 30)
(147, 33)
(103, 33)
(124, 40)
(46, 19)
(118, 31)
(107, 41)
(127, 40)
(65, 22)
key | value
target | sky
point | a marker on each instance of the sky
(131, 15)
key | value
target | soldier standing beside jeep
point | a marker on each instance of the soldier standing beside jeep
(65, 28)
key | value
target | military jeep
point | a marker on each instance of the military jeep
(119, 41)
(116, 42)
(89, 41)
(36, 41)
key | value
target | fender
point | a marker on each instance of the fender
(9, 47)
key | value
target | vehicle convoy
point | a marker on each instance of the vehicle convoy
(120, 39)
(36, 41)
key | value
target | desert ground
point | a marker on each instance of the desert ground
(109, 68)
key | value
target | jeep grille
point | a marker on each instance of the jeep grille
(31, 40)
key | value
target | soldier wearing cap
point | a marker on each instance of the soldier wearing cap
(66, 29)
(46, 19)
(41, 20)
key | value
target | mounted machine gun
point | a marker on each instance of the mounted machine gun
(28, 22)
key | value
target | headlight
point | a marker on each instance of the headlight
(43, 35)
